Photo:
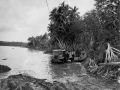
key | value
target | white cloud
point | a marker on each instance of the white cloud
(83, 5)
(20, 19)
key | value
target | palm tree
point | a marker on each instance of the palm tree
(61, 19)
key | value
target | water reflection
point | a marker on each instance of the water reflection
(32, 50)
(35, 63)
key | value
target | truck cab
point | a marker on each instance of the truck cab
(57, 55)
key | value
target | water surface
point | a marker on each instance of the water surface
(36, 63)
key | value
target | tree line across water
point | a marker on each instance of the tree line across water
(21, 44)
(69, 30)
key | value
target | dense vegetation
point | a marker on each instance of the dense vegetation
(39, 42)
(96, 32)
(69, 30)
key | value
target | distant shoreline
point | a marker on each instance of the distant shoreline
(17, 44)
(24, 44)
(31, 48)
(14, 46)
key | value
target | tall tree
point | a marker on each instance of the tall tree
(108, 11)
(62, 18)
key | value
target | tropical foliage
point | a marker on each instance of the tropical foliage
(63, 26)
(109, 16)
(107, 12)
(97, 31)
(38, 42)
(92, 31)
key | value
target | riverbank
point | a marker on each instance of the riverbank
(46, 51)
(26, 82)
(37, 62)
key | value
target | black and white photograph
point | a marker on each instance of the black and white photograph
(59, 44)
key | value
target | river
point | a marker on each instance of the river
(37, 64)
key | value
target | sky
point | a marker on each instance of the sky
(20, 19)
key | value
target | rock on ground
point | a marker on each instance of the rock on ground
(4, 68)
